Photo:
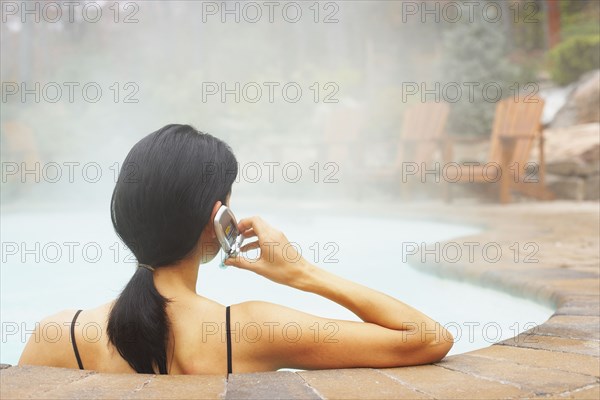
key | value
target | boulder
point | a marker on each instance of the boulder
(587, 98)
(578, 103)
(572, 167)
(592, 188)
(566, 187)
(555, 98)
(572, 157)
(571, 151)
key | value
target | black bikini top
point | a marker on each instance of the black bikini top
(227, 331)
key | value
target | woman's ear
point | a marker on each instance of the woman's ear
(211, 226)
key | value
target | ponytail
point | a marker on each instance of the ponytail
(138, 325)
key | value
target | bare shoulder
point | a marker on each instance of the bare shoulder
(55, 328)
(47, 344)
(61, 316)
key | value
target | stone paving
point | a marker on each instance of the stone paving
(558, 359)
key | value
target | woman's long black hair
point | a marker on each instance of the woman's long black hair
(163, 199)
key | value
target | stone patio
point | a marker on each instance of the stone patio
(559, 359)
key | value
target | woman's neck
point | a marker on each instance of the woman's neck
(177, 279)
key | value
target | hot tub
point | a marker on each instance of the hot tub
(69, 260)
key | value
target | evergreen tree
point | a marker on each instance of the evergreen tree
(475, 54)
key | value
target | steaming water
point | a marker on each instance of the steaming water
(363, 249)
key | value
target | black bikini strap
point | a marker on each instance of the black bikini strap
(73, 340)
(228, 332)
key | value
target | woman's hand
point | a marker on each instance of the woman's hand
(279, 260)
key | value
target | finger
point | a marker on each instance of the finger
(250, 246)
(239, 262)
(255, 223)
(246, 224)
(249, 233)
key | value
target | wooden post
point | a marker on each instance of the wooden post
(446, 158)
(553, 10)
(507, 145)
(406, 187)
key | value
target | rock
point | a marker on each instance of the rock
(578, 103)
(587, 98)
(572, 151)
(570, 188)
(592, 155)
(555, 100)
(592, 188)
(572, 167)
(566, 116)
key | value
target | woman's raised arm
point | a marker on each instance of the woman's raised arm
(392, 334)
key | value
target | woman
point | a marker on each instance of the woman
(171, 185)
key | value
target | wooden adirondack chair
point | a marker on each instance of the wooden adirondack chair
(340, 152)
(423, 134)
(515, 129)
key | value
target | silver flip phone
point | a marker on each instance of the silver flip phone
(227, 232)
